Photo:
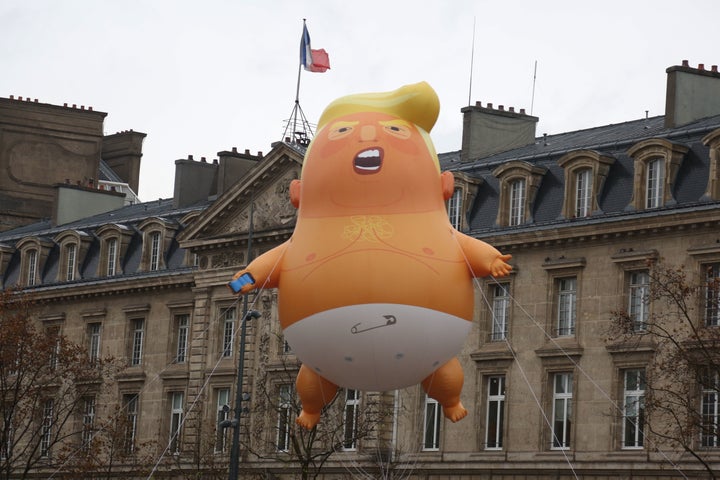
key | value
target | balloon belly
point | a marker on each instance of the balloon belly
(377, 347)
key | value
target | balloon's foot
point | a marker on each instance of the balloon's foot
(455, 413)
(307, 420)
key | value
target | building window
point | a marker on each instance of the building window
(46, 430)
(352, 406)
(500, 312)
(712, 288)
(130, 401)
(32, 263)
(284, 418)
(562, 410)
(634, 408)
(431, 433)
(710, 409)
(177, 414)
(154, 251)
(138, 334)
(655, 183)
(517, 202)
(228, 332)
(638, 300)
(88, 422)
(94, 330)
(495, 413)
(454, 208)
(583, 192)
(222, 414)
(70, 261)
(566, 306)
(182, 327)
(112, 253)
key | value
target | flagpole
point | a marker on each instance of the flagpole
(297, 91)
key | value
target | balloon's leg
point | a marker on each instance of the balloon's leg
(315, 392)
(445, 385)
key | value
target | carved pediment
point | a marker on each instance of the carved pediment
(266, 187)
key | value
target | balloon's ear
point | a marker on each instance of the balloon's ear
(448, 184)
(295, 188)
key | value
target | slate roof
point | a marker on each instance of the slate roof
(613, 140)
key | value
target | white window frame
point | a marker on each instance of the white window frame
(222, 413)
(94, 338)
(518, 192)
(712, 295)
(710, 410)
(454, 208)
(70, 260)
(131, 408)
(352, 407)
(499, 327)
(633, 424)
(138, 337)
(583, 192)
(32, 264)
(154, 251)
(495, 412)
(177, 418)
(282, 440)
(431, 424)
(228, 338)
(655, 183)
(638, 289)
(562, 385)
(88, 422)
(182, 325)
(112, 253)
(47, 426)
(566, 306)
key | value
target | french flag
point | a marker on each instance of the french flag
(312, 60)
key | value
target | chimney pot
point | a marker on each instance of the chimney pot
(685, 63)
(90, 108)
(512, 109)
(522, 111)
(478, 104)
(247, 151)
(65, 104)
(234, 149)
(701, 66)
(190, 157)
(489, 105)
(19, 98)
(203, 160)
(501, 107)
(74, 105)
(287, 139)
(215, 161)
(36, 100)
(713, 68)
(259, 154)
(82, 107)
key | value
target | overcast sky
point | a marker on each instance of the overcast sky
(199, 77)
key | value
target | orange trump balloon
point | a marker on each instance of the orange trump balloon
(375, 285)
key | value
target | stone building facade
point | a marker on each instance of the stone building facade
(546, 384)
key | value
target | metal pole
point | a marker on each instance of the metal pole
(235, 448)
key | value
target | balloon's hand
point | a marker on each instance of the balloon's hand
(500, 267)
(242, 282)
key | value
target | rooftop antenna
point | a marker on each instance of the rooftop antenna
(532, 100)
(472, 58)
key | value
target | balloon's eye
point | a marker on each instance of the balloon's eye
(399, 131)
(339, 132)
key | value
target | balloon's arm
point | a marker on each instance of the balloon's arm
(484, 259)
(262, 272)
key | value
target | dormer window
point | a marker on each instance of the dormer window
(112, 252)
(656, 163)
(466, 188)
(712, 141)
(519, 183)
(73, 245)
(33, 254)
(158, 234)
(114, 241)
(585, 174)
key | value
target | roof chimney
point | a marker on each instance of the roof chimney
(233, 166)
(691, 94)
(487, 131)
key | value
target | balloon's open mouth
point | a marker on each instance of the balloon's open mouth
(368, 161)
